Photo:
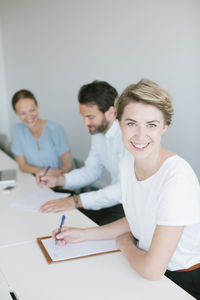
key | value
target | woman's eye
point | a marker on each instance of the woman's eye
(151, 125)
(131, 124)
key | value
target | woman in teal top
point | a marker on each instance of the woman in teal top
(38, 143)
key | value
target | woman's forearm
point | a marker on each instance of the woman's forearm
(109, 231)
(66, 161)
(29, 169)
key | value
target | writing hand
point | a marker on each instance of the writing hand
(49, 180)
(69, 235)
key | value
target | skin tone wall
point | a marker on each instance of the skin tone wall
(76, 42)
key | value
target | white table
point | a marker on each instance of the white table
(100, 277)
(27, 272)
(4, 293)
(18, 226)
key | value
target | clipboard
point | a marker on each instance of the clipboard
(82, 250)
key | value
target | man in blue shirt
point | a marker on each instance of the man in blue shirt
(97, 109)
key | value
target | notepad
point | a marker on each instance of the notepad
(57, 253)
(35, 198)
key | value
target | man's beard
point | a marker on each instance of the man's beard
(102, 128)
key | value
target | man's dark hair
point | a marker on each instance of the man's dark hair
(97, 92)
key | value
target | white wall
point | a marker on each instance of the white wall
(4, 109)
(53, 47)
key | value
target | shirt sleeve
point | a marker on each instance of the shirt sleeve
(17, 145)
(179, 202)
(60, 140)
(106, 197)
(86, 175)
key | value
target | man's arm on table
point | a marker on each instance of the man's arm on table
(106, 197)
(77, 178)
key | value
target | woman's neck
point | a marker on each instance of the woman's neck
(145, 168)
(38, 128)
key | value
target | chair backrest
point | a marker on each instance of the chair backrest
(5, 145)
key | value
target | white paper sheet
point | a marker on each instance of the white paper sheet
(33, 200)
(74, 250)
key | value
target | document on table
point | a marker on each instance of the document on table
(33, 200)
(55, 252)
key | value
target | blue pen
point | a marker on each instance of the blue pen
(47, 169)
(61, 225)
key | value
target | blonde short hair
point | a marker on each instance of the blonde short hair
(147, 92)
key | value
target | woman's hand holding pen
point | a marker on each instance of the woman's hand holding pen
(69, 235)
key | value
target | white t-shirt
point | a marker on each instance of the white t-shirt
(169, 197)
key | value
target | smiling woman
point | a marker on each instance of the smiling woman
(145, 112)
(38, 143)
(160, 191)
(142, 128)
(160, 195)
